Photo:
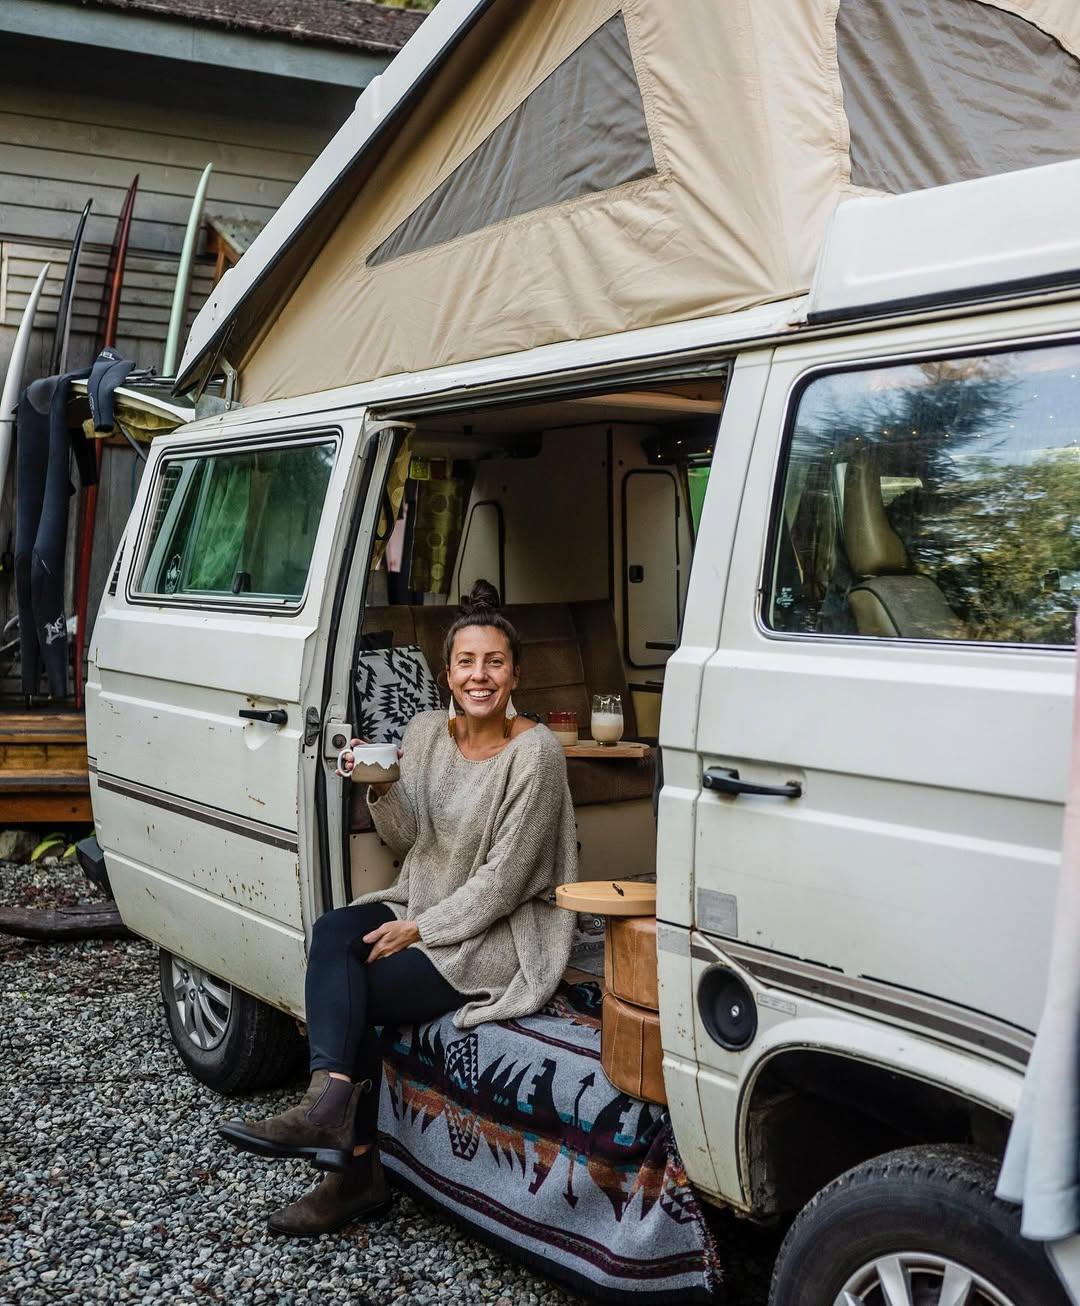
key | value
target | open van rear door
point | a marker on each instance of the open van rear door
(203, 698)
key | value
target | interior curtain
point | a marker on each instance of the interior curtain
(395, 492)
(219, 539)
(440, 513)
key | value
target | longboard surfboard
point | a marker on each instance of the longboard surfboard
(183, 275)
(13, 379)
(108, 318)
(67, 298)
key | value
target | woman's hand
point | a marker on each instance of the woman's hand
(390, 938)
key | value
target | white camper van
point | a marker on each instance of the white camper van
(830, 547)
(826, 547)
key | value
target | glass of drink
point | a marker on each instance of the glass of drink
(607, 719)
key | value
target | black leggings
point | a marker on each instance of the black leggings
(346, 997)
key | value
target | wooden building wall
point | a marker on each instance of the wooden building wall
(77, 126)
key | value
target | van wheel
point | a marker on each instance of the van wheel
(918, 1227)
(229, 1041)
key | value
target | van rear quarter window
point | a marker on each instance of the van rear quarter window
(933, 500)
(237, 524)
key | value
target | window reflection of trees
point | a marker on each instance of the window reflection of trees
(975, 482)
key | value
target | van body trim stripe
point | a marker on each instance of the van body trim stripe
(273, 835)
(886, 1000)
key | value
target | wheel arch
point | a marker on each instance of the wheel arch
(825, 1094)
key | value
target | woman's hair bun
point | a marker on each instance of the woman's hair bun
(483, 597)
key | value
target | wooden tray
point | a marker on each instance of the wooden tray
(590, 748)
(608, 897)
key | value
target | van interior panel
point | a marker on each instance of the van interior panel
(581, 512)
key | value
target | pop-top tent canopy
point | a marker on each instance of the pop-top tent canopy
(533, 171)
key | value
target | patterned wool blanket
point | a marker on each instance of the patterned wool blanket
(515, 1131)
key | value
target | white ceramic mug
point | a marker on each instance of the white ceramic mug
(373, 764)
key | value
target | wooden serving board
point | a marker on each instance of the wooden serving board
(590, 748)
(608, 897)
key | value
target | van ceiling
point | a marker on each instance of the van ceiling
(675, 402)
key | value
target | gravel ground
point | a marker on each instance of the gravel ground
(113, 1186)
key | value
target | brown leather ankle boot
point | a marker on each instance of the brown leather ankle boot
(359, 1192)
(320, 1126)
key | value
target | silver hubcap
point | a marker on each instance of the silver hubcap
(203, 1003)
(918, 1279)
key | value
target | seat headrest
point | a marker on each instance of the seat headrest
(873, 547)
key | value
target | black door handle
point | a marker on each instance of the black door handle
(273, 716)
(725, 780)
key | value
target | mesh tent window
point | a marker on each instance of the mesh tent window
(582, 130)
(938, 91)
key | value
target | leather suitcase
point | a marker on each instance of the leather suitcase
(630, 960)
(630, 1051)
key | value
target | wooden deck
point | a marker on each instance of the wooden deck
(43, 773)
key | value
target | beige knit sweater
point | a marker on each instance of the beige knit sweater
(483, 845)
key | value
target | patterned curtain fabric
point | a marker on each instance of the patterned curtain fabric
(440, 512)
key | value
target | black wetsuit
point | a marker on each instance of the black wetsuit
(43, 489)
(31, 467)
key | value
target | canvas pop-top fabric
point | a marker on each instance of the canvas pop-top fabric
(580, 168)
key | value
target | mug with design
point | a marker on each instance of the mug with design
(369, 763)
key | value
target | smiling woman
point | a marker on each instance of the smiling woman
(482, 655)
(482, 821)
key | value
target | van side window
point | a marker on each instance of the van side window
(237, 525)
(937, 500)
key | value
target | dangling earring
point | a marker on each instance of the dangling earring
(508, 720)
(451, 713)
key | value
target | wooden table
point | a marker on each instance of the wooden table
(589, 748)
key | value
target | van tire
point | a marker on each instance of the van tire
(936, 1200)
(261, 1046)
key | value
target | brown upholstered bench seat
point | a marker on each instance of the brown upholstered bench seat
(569, 653)
(618, 781)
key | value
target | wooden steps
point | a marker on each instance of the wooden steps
(43, 772)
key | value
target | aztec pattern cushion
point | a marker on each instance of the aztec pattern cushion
(392, 685)
(513, 1130)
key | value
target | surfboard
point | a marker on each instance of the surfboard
(108, 318)
(183, 275)
(13, 379)
(114, 279)
(67, 298)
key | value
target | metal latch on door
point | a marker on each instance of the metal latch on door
(273, 716)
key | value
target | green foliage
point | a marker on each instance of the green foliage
(1004, 545)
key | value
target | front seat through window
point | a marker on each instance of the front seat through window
(888, 597)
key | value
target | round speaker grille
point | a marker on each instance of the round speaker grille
(727, 1008)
